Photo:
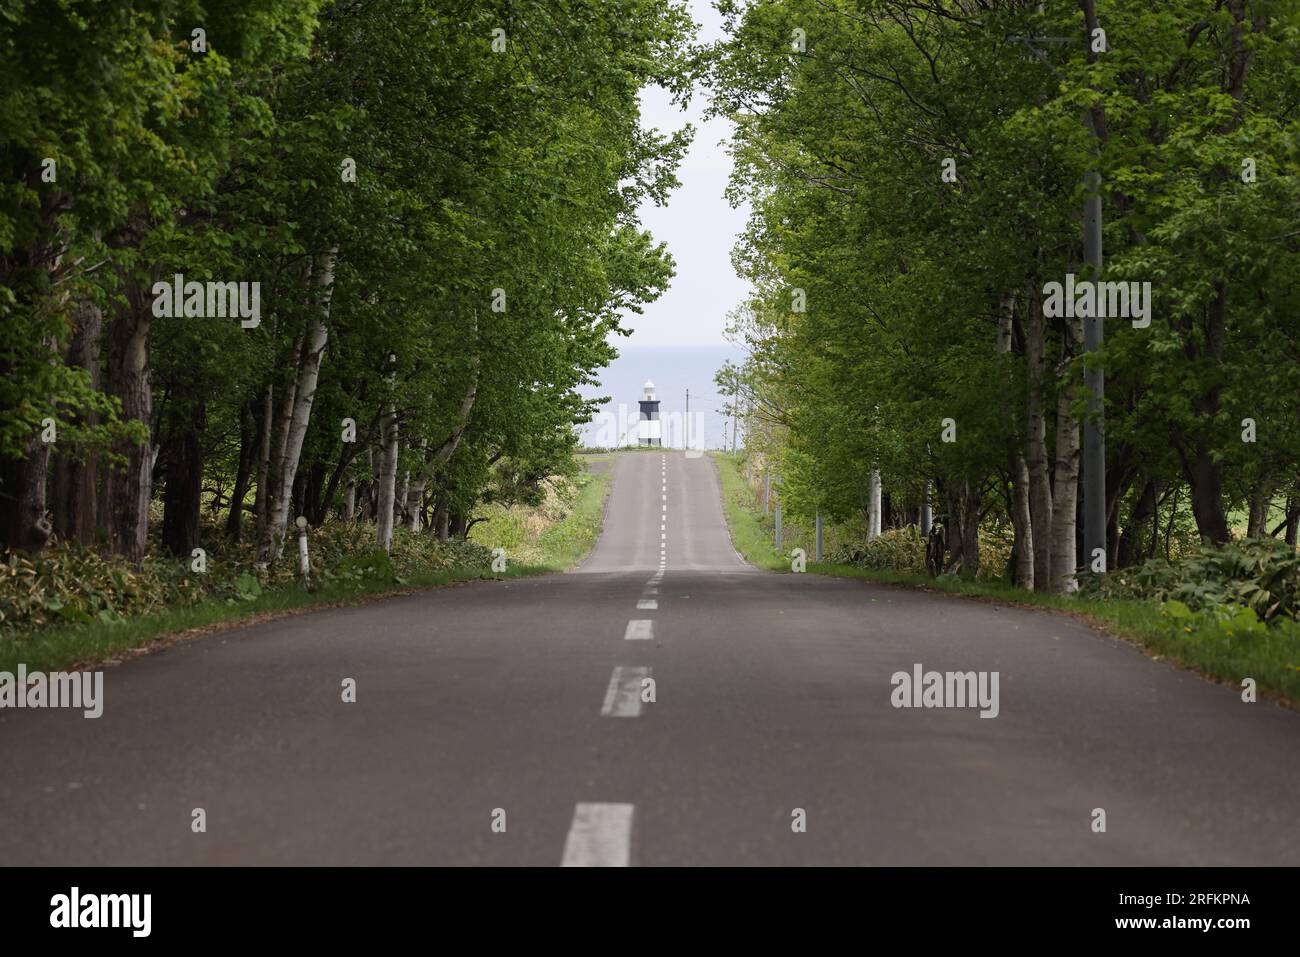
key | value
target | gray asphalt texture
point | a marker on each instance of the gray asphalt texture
(773, 693)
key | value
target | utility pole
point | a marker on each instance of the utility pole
(687, 430)
(1094, 378)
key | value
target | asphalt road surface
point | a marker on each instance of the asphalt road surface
(771, 737)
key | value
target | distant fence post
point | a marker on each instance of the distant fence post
(819, 535)
(304, 563)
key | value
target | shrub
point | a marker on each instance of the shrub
(903, 550)
(894, 549)
(1261, 574)
(71, 584)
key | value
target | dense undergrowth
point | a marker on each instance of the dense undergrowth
(77, 606)
(72, 584)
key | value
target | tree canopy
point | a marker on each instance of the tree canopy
(917, 173)
(432, 205)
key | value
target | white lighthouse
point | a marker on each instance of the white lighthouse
(648, 427)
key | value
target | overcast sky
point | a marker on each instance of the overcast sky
(697, 224)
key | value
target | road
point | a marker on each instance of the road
(519, 703)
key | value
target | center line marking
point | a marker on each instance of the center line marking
(648, 604)
(600, 836)
(623, 696)
(639, 629)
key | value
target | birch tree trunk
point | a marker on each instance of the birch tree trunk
(448, 448)
(443, 453)
(399, 499)
(415, 493)
(387, 482)
(304, 393)
(873, 506)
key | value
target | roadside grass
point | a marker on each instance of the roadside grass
(749, 534)
(563, 543)
(560, 533)
(1272, 659)
(570, 540)
(66, 646)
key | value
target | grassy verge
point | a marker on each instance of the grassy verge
(750, 534)
(64, 646)
(563, 542)
(568, 542)
(1273, 659)
(559, 533)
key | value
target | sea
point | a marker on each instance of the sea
(674, 370)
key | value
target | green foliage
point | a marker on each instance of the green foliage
(907, 277)
(479, 169)
(902, 549)
(1260, 577)
(898, 549)
(555, 532)
(750, 535)
(72, 584)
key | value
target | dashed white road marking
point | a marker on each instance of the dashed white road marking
(639, 629)
(623, 696)
(647, 604)
(600, 836)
